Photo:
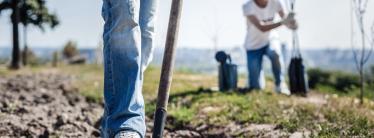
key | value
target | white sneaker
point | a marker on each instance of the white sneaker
(127, 134)
(283, 89)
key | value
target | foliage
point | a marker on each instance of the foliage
(345, 82)
(31, 57)
(27, 12)
(70, 50)
(339, 80)
(33, 12)
(317, 76)
(4, 5)
(36, 13)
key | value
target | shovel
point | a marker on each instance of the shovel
(167, 69)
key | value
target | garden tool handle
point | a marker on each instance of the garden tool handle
(167, 69)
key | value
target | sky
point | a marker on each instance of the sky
(323, 24)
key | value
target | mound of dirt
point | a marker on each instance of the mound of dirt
(44, 105)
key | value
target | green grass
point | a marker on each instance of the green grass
(341, 83)
(191, 105)
(353, 92)
(345, 123)
(220, 109)
(3, 71)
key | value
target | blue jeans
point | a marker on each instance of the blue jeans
(128, 45)
(256, 78)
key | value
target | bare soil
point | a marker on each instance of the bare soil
(45, 105)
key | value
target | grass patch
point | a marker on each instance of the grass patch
(346, 123)
(220, 109)
(341, 83)
(190, 105)
(181, 116)
(353, 92)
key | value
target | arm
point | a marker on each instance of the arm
(291, 24)
(264, 28)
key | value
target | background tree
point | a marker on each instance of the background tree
(70, 50)
(27, 12)
(35, 12)
(371, 76)
(363, 52)
(32, 59)
(99, 53)
(55, 59)
(14, 6)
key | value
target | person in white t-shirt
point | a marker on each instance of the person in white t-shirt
(260, 15)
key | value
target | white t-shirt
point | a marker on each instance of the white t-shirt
(255, 38)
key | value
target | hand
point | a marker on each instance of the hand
(292, 25)
(290, 18)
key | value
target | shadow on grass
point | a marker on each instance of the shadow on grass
(201, 90)
(176, 97)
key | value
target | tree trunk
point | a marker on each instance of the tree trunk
(362, 86)
(362, 61)
(25, 49)
(55, 59)
(15, 63)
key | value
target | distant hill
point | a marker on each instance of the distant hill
(202, 60)
(46, 53)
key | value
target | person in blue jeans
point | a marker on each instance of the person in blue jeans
(129, 33)
(260, 42)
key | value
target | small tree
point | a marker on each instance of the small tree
(70, 50)
(55, 59)
(370, 79)
(26, 12)
(363, 53)
(30, 56)
(99, 53)
(35, 12)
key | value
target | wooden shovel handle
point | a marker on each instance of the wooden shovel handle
(167, 68)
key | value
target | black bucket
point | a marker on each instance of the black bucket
(227, 72)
